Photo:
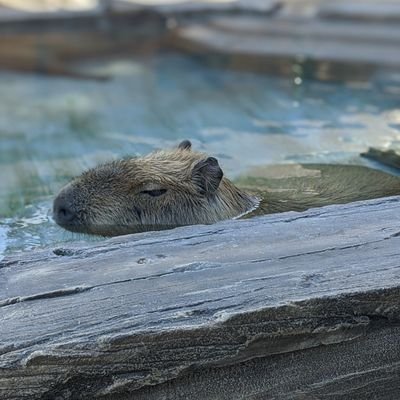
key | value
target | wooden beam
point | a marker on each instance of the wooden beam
(285, 305)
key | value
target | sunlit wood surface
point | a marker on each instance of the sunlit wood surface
(296, 305)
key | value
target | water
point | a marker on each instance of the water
(52, 128)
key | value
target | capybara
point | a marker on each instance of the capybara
(177, 187)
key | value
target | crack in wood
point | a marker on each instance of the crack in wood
(242, 304)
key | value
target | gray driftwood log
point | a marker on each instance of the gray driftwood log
(290, 306)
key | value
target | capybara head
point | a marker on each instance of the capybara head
(162, 190)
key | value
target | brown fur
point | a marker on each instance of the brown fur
(181, 187)
(116, 198)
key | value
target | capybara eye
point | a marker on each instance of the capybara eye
(155, 192)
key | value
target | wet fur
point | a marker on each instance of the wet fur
(179, 187)
(114, 199)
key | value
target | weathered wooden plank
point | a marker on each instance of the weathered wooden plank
(388, 11)
(280, 306)
(265, 7)
(255, 36)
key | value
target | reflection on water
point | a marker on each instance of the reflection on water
(53, 128)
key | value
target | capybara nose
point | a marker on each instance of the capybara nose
(62, 212)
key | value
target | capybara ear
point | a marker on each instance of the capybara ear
(207, 175)
(185, 145)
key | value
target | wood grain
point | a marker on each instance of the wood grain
(293, 305)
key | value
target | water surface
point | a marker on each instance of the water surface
(53, 128)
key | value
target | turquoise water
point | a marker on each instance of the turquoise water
(53, 128)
